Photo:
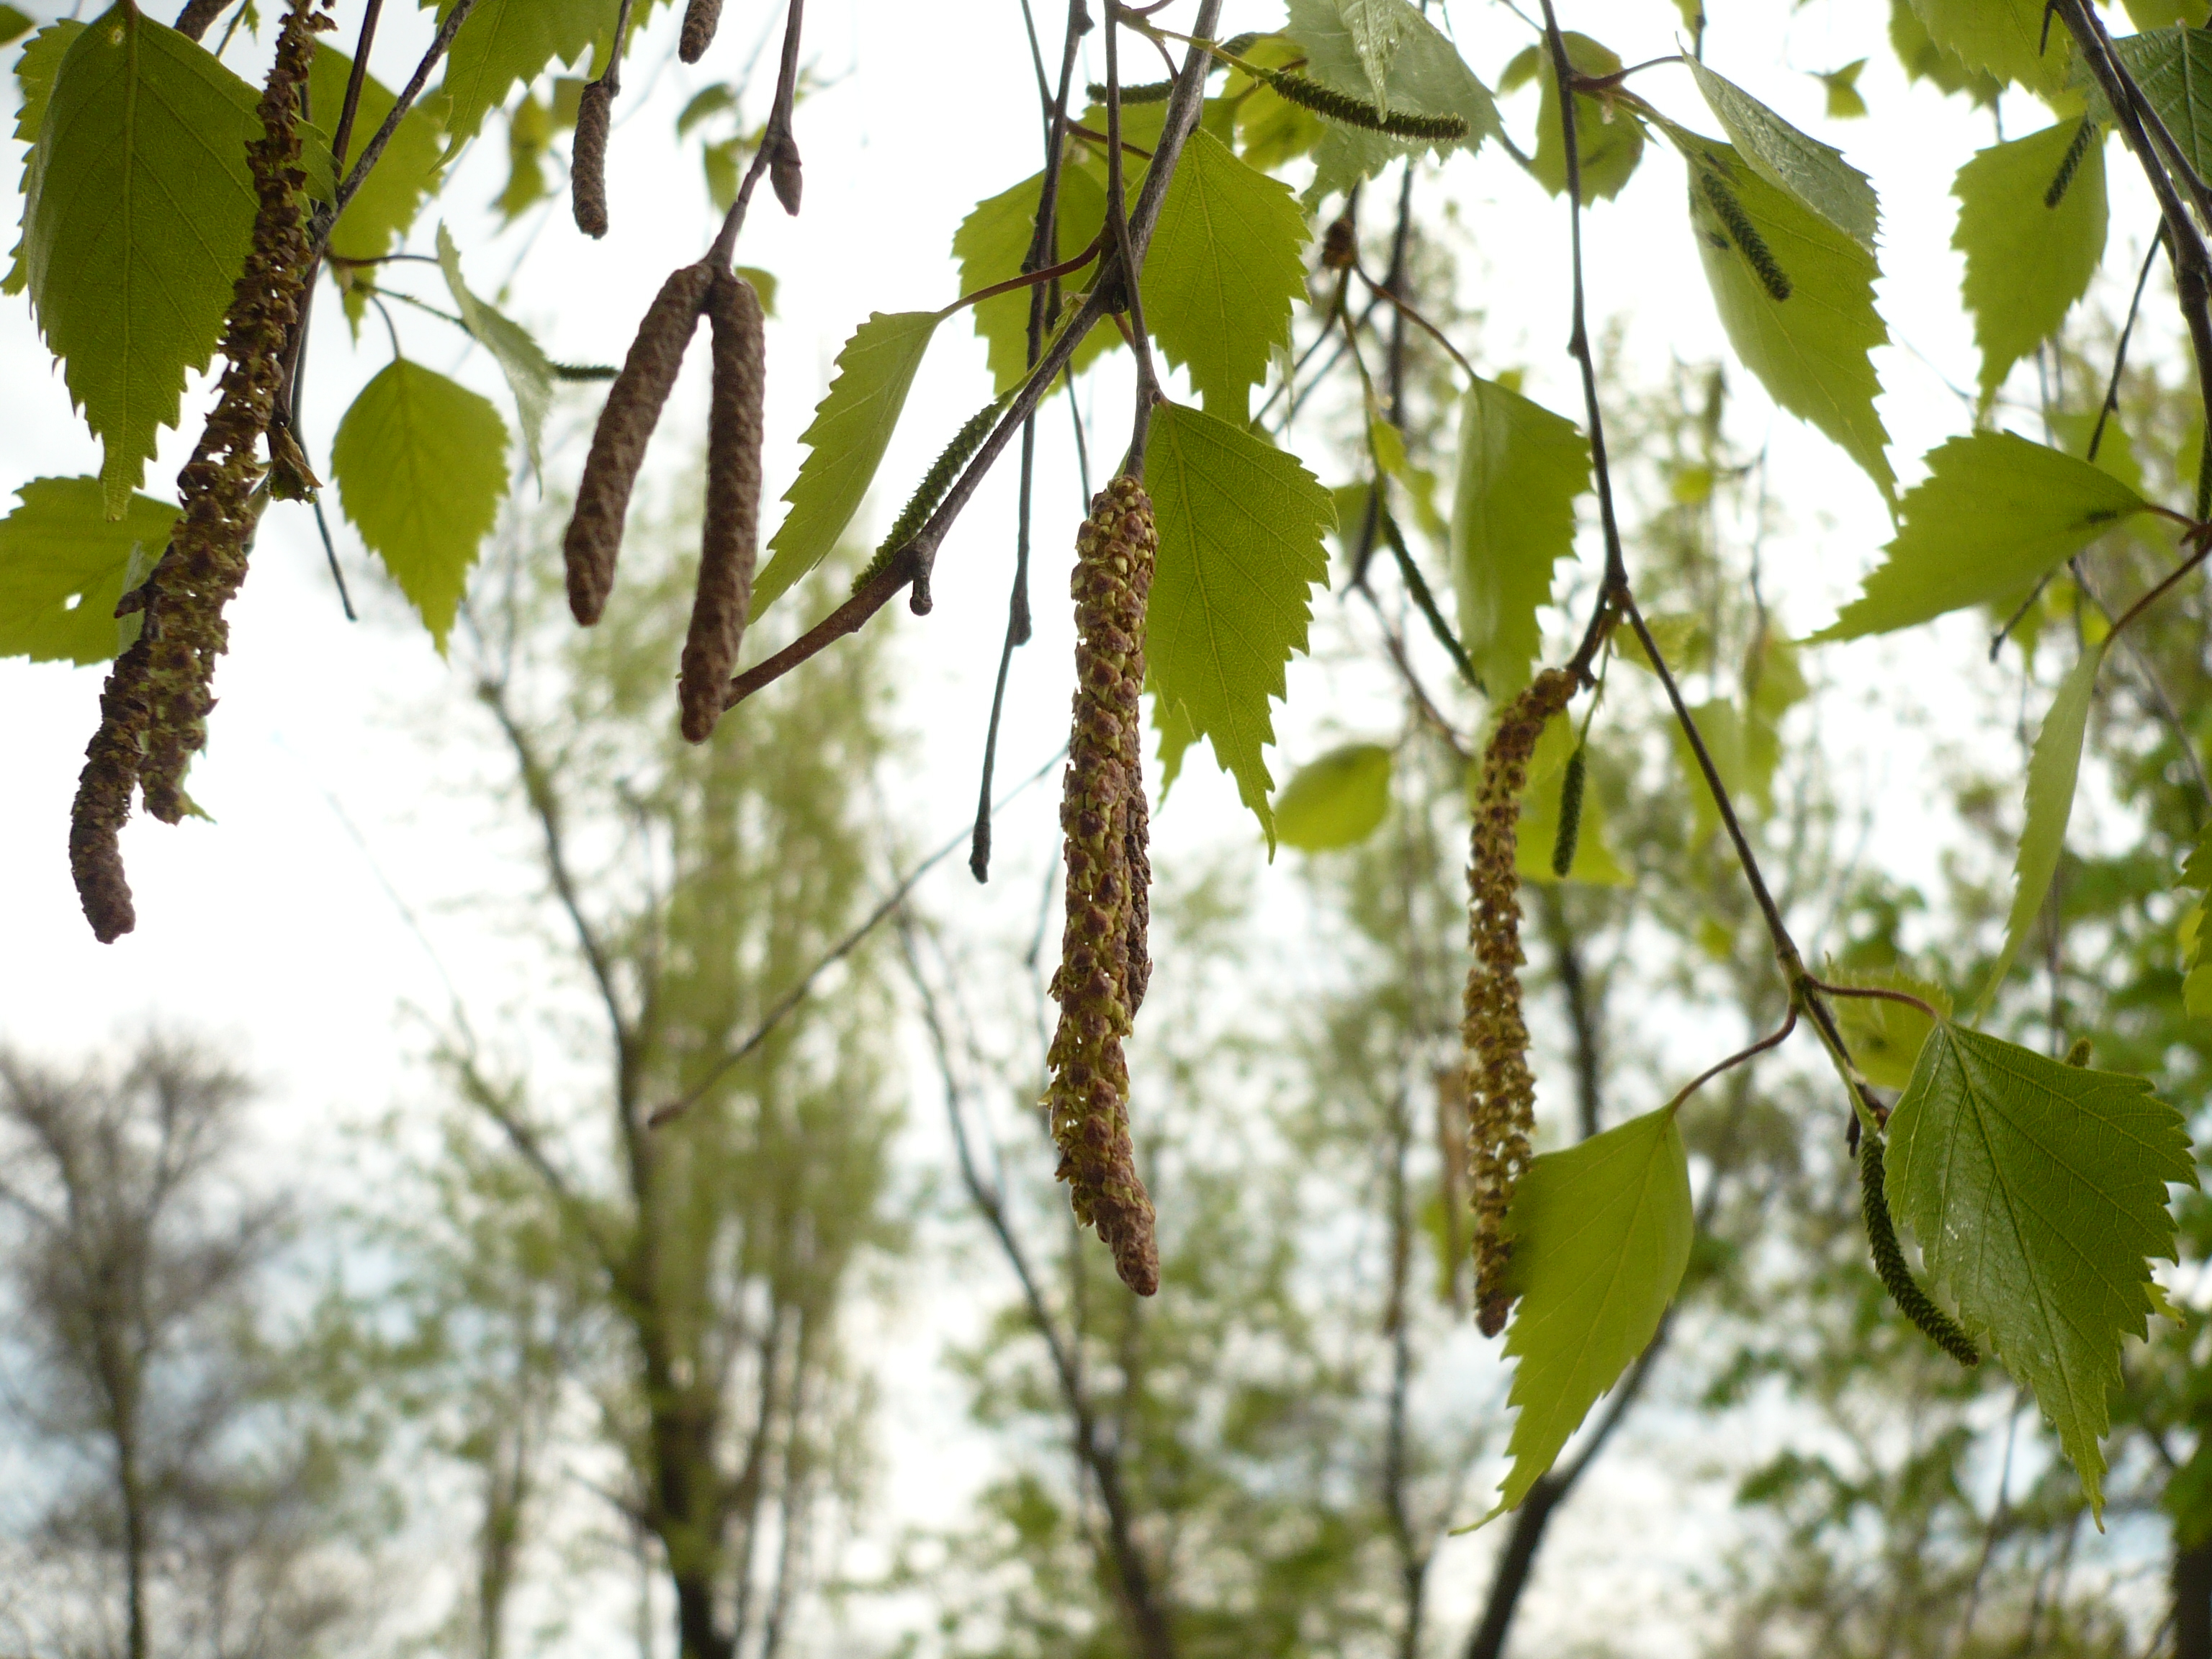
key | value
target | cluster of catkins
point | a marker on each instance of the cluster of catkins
(154, 707)
(1501, 1094)
(730, 543)
(1104, 961)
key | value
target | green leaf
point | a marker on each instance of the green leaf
(393, 191)
(1609, 148)
(1426, 76)
(1886, 1037)
(61, 567)
(421, 465)
(1805, 323)
(991, 244)
(1600, 1234)
(1923, 60)
(1513, 519)
(2038, 1193)
(1845, 101)
(1815, 172)
(1173, 725)
(138, 212)
(1375, 27)
(2173, 67)
(36, 65)
(1227, 258)
(1337, 801)
(1995, 513)
(529, 375)
(2159, 14)
(2028, 260)
(13, 25)
(2052, 770)
(1594, 863)
(845, 444)
(505, 41)
(1240, 527)
(2004, 37)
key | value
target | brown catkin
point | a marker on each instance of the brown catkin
(587, 158)
(154, 709)
(1501, 1094)
(700, 18)
(1104, 961)
(731, 541)
(626, 423)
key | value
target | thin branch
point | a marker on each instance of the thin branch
(1044, 304)
(1773, 1040)
(355, 80)
(776, 140)
(835, 953)
(910, 566)
(374, 149)
(1615, 584)
(1406, 310)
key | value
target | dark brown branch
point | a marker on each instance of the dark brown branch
(372, 151)
(355, 78)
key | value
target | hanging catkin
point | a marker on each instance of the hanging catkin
(1104, 963)
(154, 708)
(1889, 1265)
(626, 423)
(731, 541)
(1501, 1094)
(700, 18)
(587, 158)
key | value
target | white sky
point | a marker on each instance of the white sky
(277, 926)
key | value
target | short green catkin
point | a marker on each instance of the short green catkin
(1889, 1262)
(1144, 92)
(2071, 163)
(1760, 257)
(1357, 112)
(2078, 1055)
(931, 490)
(1571, 813)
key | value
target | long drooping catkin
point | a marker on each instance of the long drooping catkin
(731, 541)
(626, 423)
(587, 158)
(1104, 961)
(700, 18)
(1501, 1095)
(154, 708)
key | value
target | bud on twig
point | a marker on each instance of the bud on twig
(1104, 961)
(626, 423)
(1501, 1093)
(783, 175)
(731, 541)
(587, 161)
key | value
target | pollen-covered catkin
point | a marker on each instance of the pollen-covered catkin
(1104, 963)
(700, 18)
(154, 710)
(626, 423)
(587, 161)
(1889, 1262)
(731, 541)
(1501, 1094)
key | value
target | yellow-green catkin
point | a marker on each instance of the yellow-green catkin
(1501, 1093)
(1103, 963)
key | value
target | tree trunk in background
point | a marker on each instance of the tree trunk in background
(2192, 1603)
(1519, 1556)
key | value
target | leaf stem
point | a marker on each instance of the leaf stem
(1051, 273)
(1773, 1040)
(2203, 535)
(1880, 993)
